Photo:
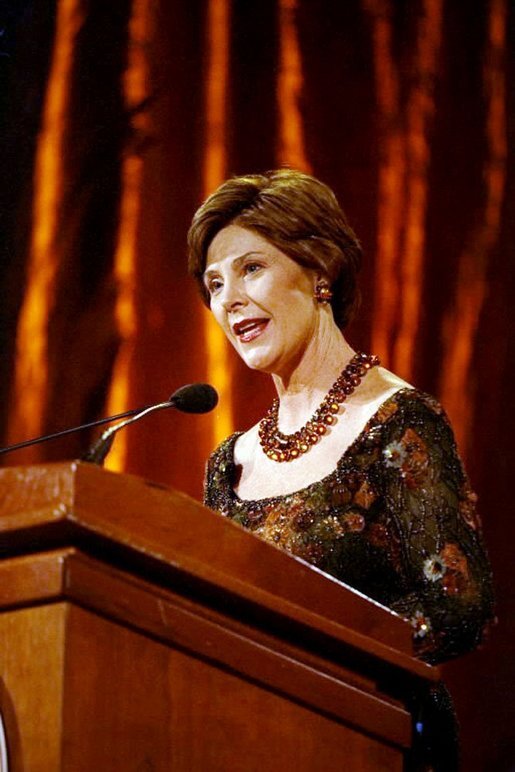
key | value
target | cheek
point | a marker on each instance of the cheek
(300, 309)
(219, 316)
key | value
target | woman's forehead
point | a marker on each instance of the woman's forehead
(235, 238)
(234, 242)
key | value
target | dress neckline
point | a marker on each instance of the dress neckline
(370, 424)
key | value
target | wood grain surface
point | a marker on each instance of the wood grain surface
(139, 631)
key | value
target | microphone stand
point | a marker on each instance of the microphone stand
(101, 447)
(192, 398)
(90, 425)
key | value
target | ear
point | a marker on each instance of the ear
(322, 291)
(320, 276)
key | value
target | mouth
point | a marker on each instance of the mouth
(249, 329)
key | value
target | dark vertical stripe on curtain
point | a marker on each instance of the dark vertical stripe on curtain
(82, 334)
(24, 70)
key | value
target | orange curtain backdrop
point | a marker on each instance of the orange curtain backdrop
(32, 357)
(180, 135)
(404, 109)
(406, 123)
(135, 87)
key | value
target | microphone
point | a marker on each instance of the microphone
(193, 398)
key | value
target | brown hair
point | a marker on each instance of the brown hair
(296, 213)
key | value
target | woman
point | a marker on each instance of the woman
(351, 469)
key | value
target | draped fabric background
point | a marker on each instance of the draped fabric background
(118, 118)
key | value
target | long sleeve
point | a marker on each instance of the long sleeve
(436, 544)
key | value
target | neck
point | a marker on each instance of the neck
(302, 389)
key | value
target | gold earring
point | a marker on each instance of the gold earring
(323, 293)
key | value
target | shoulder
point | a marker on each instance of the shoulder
(224, 452)
(219, 473)
(410, 406)
(245, 445)
(391, 396)
(416, 443)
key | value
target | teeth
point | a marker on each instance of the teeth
(242, 328)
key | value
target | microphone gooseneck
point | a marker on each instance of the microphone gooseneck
(101, 447)
(193, 398)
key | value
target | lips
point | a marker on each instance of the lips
(249, 329)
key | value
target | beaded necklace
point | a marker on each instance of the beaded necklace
(285, 447)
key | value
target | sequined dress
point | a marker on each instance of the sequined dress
(396, 520)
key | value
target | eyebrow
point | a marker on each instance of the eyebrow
(237, 262)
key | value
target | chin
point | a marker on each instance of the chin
(257, 364)
(257, 361)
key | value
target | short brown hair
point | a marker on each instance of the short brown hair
(296, 213)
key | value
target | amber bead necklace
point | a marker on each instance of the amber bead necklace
(285, 447)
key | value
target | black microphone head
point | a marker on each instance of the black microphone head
(195, 398)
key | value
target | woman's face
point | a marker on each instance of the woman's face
(262, 299)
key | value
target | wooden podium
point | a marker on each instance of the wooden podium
(140, 631)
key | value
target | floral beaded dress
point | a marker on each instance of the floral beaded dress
(395, 520)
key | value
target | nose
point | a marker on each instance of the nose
(233, 295)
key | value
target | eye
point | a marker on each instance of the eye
(213, 285)
(252, 267)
